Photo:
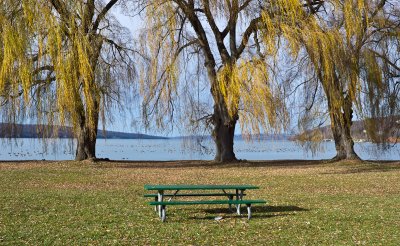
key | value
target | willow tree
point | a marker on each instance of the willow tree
(78, 55)
(233, 39)
(339, 44)
(380, 99)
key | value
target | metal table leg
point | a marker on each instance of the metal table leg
(248, 211)
(230, 198)
(163, 213)
(239, 196)
(160, 199)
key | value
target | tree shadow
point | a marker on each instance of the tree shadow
(208, 164)
(370, 167)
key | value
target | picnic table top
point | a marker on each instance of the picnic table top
(199, 187)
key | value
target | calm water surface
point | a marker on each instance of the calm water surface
(177, 149)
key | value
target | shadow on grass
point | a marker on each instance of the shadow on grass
(209, 164)
(259, 209)
(257, 212)
(369, 167)
(243, 216)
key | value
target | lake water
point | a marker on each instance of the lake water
(178, 149)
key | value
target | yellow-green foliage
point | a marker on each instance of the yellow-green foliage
(15, 68)
(245, 85)
(70, 50)
(159, 82)
(58, 41)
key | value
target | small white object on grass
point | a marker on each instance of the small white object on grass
(218, 218)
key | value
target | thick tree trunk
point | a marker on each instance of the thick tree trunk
(341, 126)
(87, 133)
(223, 135)
(344, 143)
(86, 144)
(89, 118)
(224, 125)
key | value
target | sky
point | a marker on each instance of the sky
(128, 123)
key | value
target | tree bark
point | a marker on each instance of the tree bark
(223, 135)
(87, 132)
(89, 118)
(341, 130)
(224, 125)
(86, 144)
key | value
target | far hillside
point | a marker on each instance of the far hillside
(44, 131)
(383, 130)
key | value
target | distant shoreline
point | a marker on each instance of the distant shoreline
(56, 132)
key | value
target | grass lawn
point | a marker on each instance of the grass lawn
(309, 203)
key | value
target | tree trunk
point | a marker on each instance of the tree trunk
(223, 135)
(341, 126)
(89, 118)
(86, 146)
(224, 125)
(87, 132)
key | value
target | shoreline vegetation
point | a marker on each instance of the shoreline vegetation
(69, 202)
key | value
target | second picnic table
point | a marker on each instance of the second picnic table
(175, 189)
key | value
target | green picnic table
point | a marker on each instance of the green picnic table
(174, 191)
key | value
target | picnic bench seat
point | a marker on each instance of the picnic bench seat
(229, 195)
(164, 204)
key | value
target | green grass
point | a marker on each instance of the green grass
(309, 203)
